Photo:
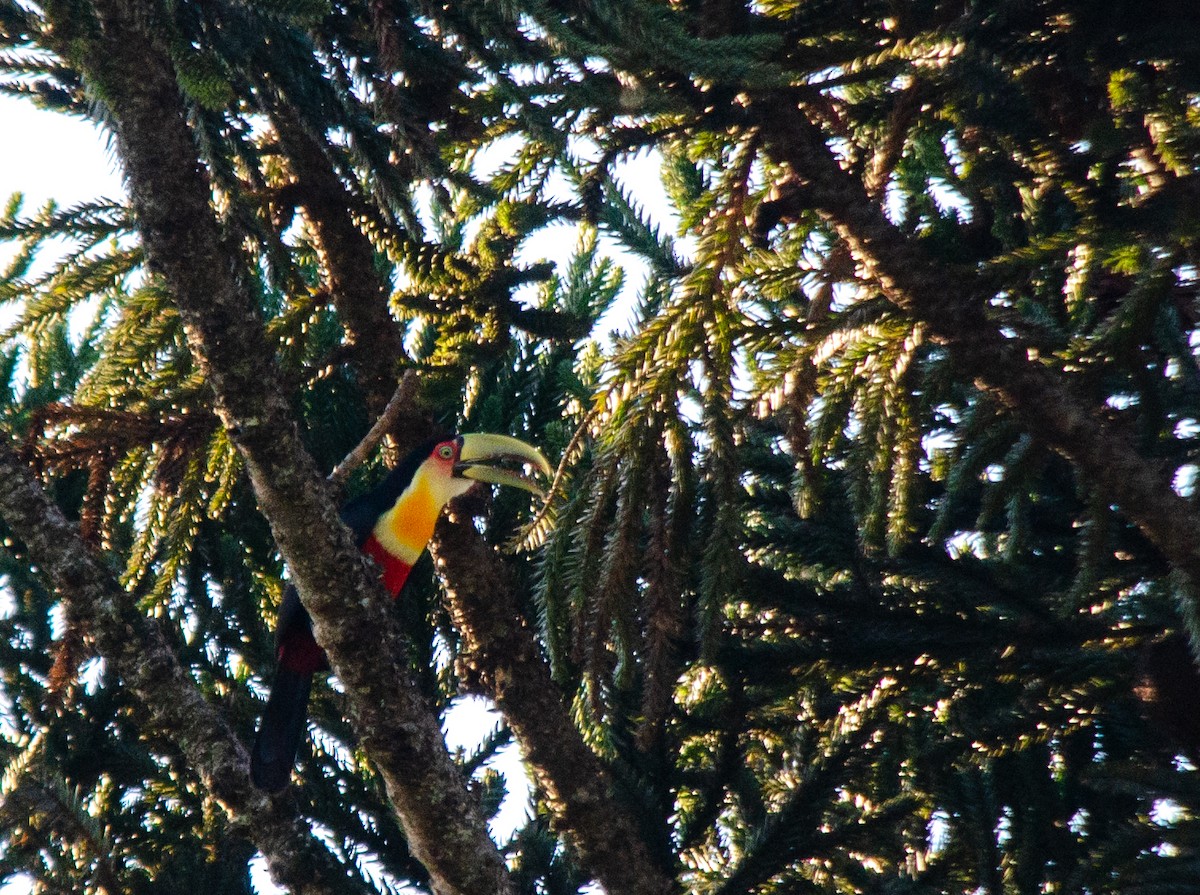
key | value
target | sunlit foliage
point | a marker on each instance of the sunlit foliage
(834, 617)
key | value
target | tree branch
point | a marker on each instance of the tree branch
(500, 651)
(133, 74)
(347, 260)
(142, 656)
(396, 408)
(951, 303)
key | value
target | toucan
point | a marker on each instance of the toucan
(391, 524)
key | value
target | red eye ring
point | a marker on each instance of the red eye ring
(445, 452)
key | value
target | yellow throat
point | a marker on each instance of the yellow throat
(405, 529)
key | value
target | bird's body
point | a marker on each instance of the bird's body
(391, 524)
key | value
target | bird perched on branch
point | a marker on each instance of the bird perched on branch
(391, 524)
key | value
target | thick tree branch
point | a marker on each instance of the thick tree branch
(134, 76)
(951, 303)
(347, 262)
(499, 650)
(145, 661)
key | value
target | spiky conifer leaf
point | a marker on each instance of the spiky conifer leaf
(710, 588)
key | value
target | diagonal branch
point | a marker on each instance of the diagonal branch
(500, 651)
(145, 661)
(347, 260)
(950, 302)
(132, 72)
(400, 403)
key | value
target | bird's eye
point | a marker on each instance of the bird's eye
(445, 452)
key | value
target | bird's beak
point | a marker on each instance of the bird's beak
(481, 454)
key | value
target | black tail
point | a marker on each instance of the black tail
(280, 731)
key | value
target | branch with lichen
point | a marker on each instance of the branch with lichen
(951, 303)
(146, 662)
(204, 273)
(500, 653)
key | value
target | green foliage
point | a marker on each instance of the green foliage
(834, 617)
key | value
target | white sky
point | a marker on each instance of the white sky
(51, 156)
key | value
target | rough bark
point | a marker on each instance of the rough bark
(401, 403)
(132, 73)
(140, 653)
(500, 652)
(348, 264)
(951, 304)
